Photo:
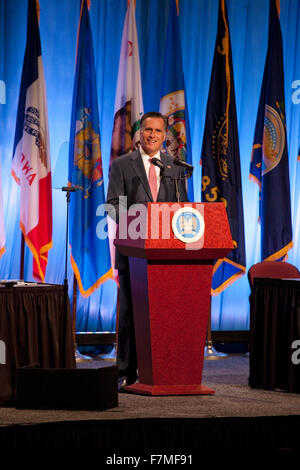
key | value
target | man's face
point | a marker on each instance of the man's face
(152, 135)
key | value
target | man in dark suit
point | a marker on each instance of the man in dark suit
(134, 177)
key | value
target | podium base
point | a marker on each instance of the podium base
(156, 390)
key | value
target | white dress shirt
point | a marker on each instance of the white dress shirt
(146, 162)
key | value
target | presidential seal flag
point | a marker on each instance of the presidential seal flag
(173, 102)
(90, 257)
(129, 100)
(269, 166)
(221, 172)
(31, 153)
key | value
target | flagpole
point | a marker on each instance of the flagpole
(22, 257)
(78, 356)
(112, 355)
(210, 352)
(74, 307)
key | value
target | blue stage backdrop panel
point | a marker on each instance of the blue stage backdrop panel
(248, 22)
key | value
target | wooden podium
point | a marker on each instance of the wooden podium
(171, 249)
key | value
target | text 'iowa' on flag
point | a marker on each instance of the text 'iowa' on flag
(31, 153)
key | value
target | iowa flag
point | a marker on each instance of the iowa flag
(129, 100)
(221, 173)
(173, 97)
(31, 154)
(90, 257)
(269, 166)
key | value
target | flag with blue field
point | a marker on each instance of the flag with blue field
(90, 255)
(220, 157)
(173, 101)
(269, 167)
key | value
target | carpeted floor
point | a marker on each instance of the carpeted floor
(236, 419)
(227, 377)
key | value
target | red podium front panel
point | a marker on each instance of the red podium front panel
(171, 286)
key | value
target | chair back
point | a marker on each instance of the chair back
(273, 270)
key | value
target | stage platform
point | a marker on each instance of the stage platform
(236, 418)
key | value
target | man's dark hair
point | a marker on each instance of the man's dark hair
(155, 114)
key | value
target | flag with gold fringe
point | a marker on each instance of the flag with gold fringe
(220, 157)
(90, 256)
(31, 166)
(269, 166)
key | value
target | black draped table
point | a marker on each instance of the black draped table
(275, 334)
(35, 330)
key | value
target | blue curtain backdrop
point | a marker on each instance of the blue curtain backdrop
(248, 21)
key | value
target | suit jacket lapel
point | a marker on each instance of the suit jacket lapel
(138, 166)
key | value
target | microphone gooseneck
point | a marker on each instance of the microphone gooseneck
(157, 162)
(180, 162)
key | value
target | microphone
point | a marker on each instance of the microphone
(180, 162)
(157, 162)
